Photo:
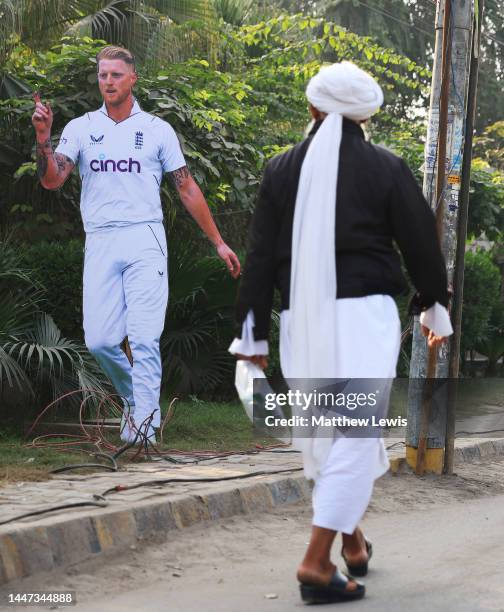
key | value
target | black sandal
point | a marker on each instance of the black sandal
(334, 592)
(361, 569)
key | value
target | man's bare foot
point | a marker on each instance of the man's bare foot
(321, 575)
(354, 548)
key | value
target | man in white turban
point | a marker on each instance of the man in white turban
(328, 214)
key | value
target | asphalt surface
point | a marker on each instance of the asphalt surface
(448, 559)
(437, 547)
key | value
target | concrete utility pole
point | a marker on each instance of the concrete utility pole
(458, 280)
(444, 152)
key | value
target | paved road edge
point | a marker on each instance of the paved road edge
(61, 542)
(466, 454)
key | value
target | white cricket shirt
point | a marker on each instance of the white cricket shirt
(121, 165)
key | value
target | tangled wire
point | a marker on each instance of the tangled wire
(93, 438)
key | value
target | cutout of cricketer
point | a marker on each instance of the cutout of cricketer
(122, 152)
(328, 213)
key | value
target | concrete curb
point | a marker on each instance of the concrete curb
(482, 450)
(55, 543)
(464, 454)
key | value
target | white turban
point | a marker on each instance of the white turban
(339, 90)
(345, 89)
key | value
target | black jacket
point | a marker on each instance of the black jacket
(379, 203)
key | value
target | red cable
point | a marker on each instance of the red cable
(78, 443)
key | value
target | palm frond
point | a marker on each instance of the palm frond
(234, 12)
(199, 322)
(201, 373)
(131, 23)
(90, 378)
(16, 313)
(34, 355)
(181, 10)
(10, 263)
(19, 294)
(9, 25)
(12, 373)
(44, 356)
(11, 87)
(43, 350)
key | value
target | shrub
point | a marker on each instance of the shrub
(58, 267)
(481, 295)
(37, 364)
(199, 324)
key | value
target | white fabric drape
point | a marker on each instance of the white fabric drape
(366, 343)
(313, 268)
(368, 337)
(247, 345)
(340, 89)
(437, 319)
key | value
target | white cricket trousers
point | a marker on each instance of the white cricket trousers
(125, 293)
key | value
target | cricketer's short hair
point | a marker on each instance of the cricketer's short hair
(114, 52)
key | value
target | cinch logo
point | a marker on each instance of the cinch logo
(110, 165)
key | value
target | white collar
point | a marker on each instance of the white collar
(134, 109)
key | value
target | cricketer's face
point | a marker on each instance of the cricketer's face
(115, 80)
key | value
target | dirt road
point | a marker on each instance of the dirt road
(438, 546)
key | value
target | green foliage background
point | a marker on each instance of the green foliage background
(234, 92)
(57, 268)
(482, 318)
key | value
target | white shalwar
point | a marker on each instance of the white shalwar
(367, 343)
(125, 293)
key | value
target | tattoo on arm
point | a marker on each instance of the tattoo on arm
(62, 161)
(179, 176)
(44, 149)
(44, 152)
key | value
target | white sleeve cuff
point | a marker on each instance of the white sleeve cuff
(437, 319)
(247, 345)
